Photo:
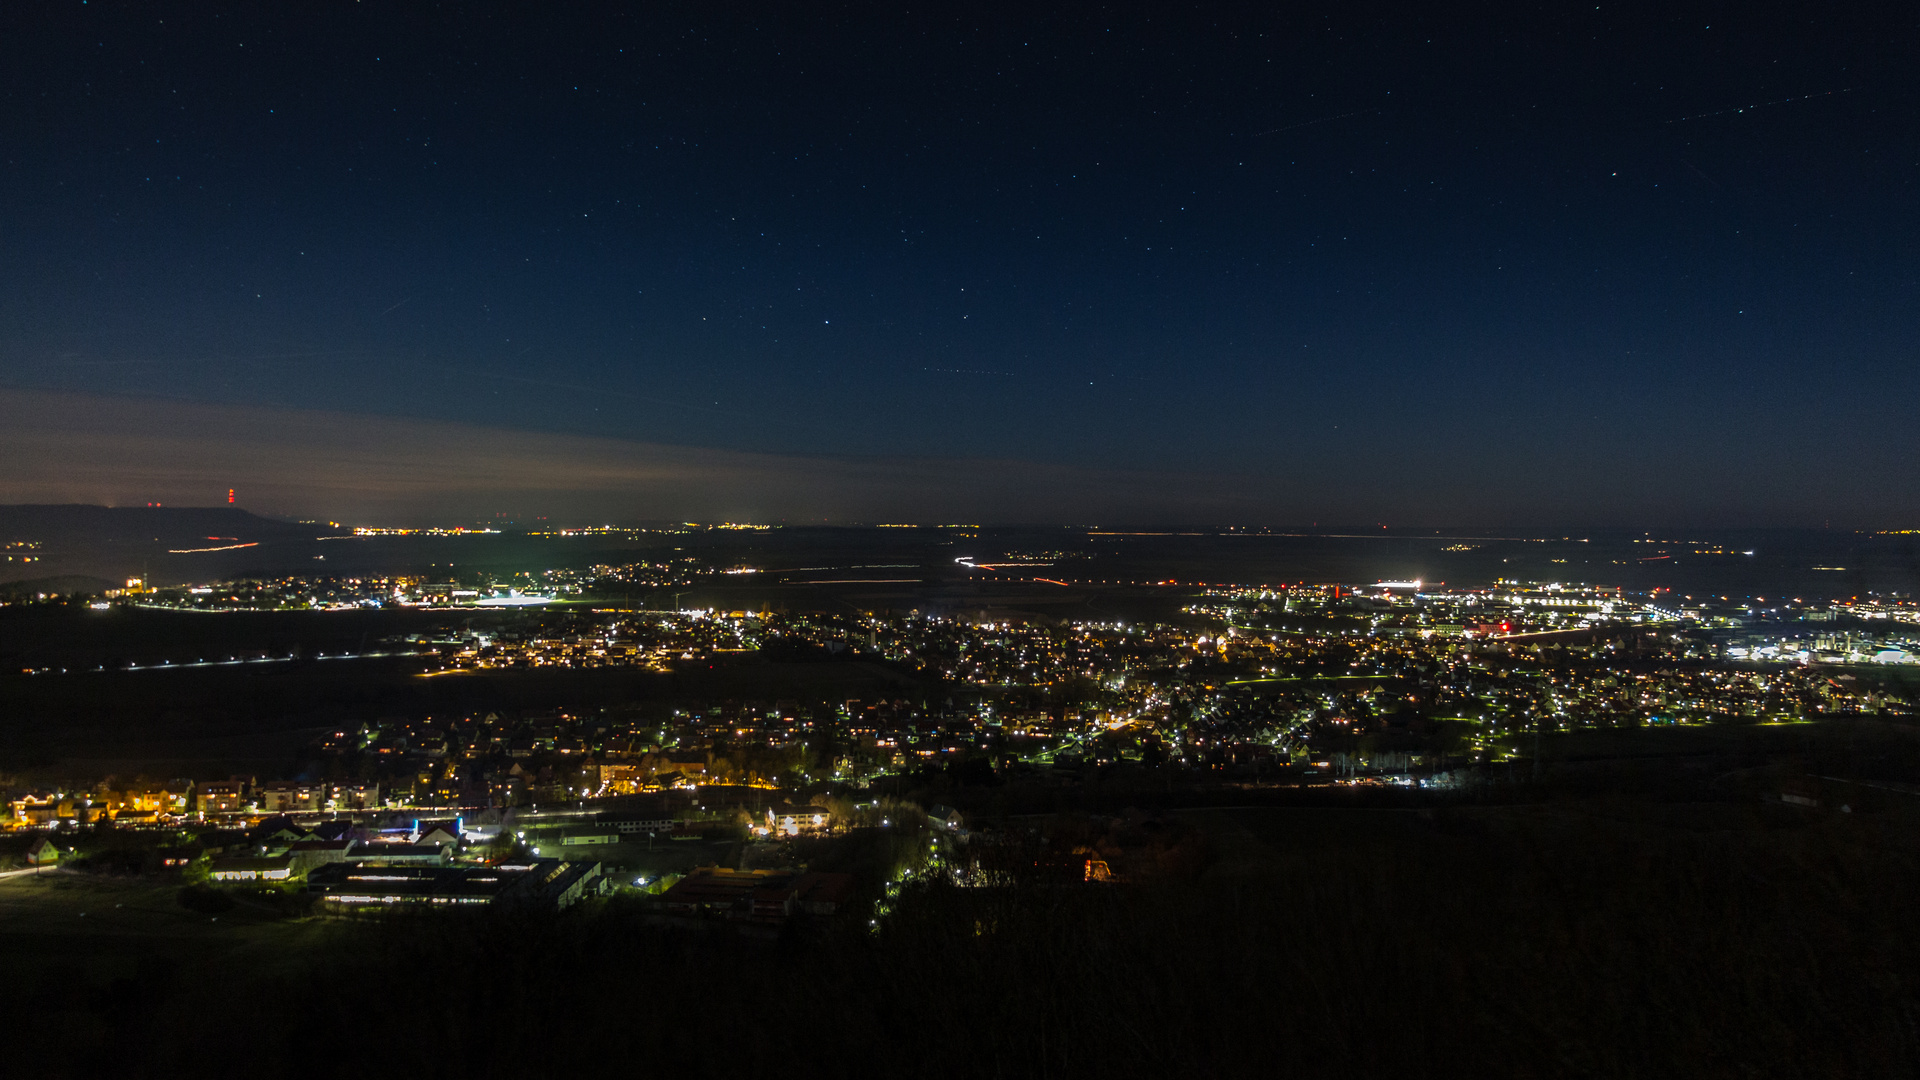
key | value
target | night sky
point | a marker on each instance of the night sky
(1552, 262)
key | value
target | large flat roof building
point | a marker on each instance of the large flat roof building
(548, 883)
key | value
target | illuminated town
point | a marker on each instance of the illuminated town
(1298, 688)
(960, 541)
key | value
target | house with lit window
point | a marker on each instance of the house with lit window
(621, 777)
(38, 808)
(291, 797)
(437, 833)
(354, 796)
(789, 820)
(224, 796)
(148, 802)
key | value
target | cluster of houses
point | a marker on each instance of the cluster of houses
(130, 804)
(244, 795)
(174, 801)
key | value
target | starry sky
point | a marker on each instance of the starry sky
(1570, 262)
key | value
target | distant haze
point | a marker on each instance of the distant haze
(79, 448)
(71, 448)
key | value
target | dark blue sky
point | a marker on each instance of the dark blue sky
(1517, 249)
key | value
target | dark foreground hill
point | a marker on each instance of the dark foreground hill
(1579, 938)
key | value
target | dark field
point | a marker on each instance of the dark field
(208, 723)
(1591, 937)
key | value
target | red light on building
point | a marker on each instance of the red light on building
(229, 495)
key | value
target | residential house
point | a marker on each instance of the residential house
(789, 820)
(291, 797)
(437, 833)
(224, 796)
(355, 795)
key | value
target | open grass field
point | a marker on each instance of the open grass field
(64, 928)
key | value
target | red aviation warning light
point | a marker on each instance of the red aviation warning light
(229, 495)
